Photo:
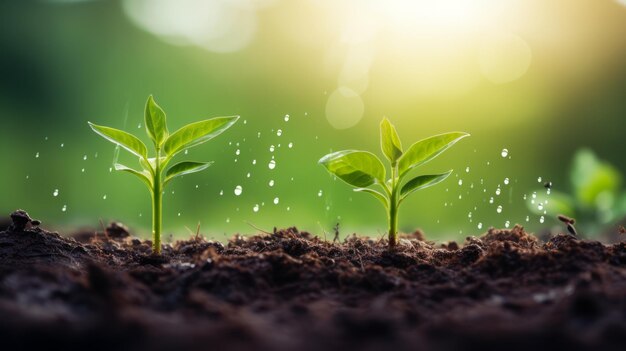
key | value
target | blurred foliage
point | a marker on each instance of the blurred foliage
(595, 199)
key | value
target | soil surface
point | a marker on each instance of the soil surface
(292, 291)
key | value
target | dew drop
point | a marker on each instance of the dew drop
(238, 190)
(505, 152)
(499, 209)
(272, 164)
(276, 201)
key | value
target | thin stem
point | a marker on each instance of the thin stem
(157, 206)
(393, 209)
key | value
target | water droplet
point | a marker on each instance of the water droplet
(279, 132)
(272, 164)
(525, 197)
(491, 200)
(245, 121)
(469, 215)
(498, 191)
(534, 195)
(541, 219)
(540, 206)
(499, 209)
(288, 208)
(139, 126)
(276, 201)
(319, 193)
(228, 220)
(248, 175)
(504, 153)
(254, 162)
(272, 148)
(238, 190)
(290, 145)
(82, 170)
(548, 191)
(271, 183)
(178, 214)
(460, 181)
(55, 192)
(506, 181)
(507, 224)
(237, 152)
(286, 118)
(62, 145)
(64, 208)
(539, 180)
(221, 192)
(255, 208)
(527, 218)
(104, 197)
(37, 155)
(467, 169)
(258, 134)
(85, 158)
(197, 186)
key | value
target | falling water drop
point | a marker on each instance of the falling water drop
(55, 192)
(272, 164)
(276, 201)
(507, 224)
(85, 158)
(286, 118)
(290, 145)
(480, 225)
(238, 190)
(319, 193)
(64, 208)
(37, 155)
(238, 152)
(460, 182)
(255, 208)
(506, 181)
(104, 197)
(279, 132)
(499, 209)
(271, 183)
(541, 219)
(467, 169)
(272, 148)
(504, 153)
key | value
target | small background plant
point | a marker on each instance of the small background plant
(155, 173)
(363, 169)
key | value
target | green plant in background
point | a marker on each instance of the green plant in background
(363, 169)
(155, 173)
(596, 199)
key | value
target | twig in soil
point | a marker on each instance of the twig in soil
(570, 224)
(257, 228)
(336, 229)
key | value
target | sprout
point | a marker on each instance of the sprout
(155, 174)
(363, 169)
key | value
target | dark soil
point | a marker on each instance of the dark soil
(293, 291)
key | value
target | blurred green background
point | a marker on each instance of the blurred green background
(538, 78)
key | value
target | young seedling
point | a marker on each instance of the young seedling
(363, 169)
(155, 174)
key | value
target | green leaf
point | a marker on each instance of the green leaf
(121, 138)
(376, 194)
(185, 167)
(197, 133)
(593, 179)
(155, 122)
(357, 168)
(143, 176)
(427, 149)
(421, 182)
(389, 141)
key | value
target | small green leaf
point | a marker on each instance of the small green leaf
(389, 141)
(421, 182)
(197, 133)
(155, 122)
(121, 138)
(143, 176)
(357, 168)
(185, 167)
(376, 194)
(592, 177)
(427, 149)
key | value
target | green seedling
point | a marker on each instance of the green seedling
(155, 173)
(363, 169)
